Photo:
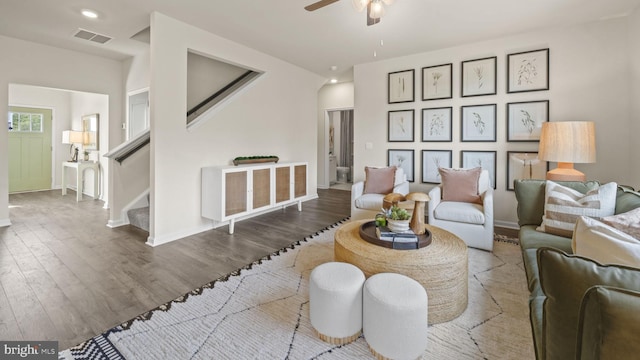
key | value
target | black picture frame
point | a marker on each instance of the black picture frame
(486, 160)
(479, 77)
(528, 71)
(437, 124)
(531, 116)
(401, 86)
(403, 158)
(432, 160)
(529, 168)
(478, 123)
(400, 126)
(437, 82)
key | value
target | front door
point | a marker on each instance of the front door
(29, 149)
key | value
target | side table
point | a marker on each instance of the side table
(80, 167)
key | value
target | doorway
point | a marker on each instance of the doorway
(138, 114)
(29, 149)
(340, 149)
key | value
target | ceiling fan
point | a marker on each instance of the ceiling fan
(375, 10)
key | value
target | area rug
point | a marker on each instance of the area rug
(262, 312)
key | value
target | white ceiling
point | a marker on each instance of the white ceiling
(334, 35)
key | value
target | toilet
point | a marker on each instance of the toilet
(343, 174)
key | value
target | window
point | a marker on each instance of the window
(25, 122)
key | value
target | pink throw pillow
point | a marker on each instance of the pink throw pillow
(460, 185)
(379, 180)
(628, 222)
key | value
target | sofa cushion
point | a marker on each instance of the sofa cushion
(460, 184)
(609, 324)
(370, 202)
(531, 239)
(563, 206)
(460, 212)
(530, 257)
(564, 280)
(604, 244)
(627, 199)
(530, 197)
(627, 222)
(379, 180)
(535, 316)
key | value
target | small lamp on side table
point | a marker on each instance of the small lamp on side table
(567, 142)
(72, 137)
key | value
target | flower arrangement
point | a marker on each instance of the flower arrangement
(397, 213)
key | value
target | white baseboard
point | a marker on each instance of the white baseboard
(116, 223)
(159, 240)
(5, 222)
(506, 224)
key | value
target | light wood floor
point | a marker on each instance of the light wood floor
(65, 276)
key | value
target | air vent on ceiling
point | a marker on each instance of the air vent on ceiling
(91, 36)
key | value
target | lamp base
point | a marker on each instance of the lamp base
(565, 172)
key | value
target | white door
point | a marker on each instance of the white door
(138, 113)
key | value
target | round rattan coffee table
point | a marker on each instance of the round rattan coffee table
(441, 267)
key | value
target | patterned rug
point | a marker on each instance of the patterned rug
(262, 312)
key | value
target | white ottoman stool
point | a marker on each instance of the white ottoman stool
(335, 302)
(394, 319)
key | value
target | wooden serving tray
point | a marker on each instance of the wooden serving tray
(368, 233)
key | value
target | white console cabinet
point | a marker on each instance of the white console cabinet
(231, 192)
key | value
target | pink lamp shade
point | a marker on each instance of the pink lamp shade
(567, 142)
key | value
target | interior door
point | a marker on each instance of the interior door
(138, 113)
(29, 149)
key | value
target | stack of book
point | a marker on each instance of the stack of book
(401, 241)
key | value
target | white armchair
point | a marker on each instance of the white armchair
(471, 222)
(366, 206)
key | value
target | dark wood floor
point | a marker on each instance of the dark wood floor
(65, 276)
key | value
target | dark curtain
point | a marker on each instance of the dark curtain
(346, 136)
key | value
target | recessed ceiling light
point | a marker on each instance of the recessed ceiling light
(89, 13)
(333, 81)
(334, 68)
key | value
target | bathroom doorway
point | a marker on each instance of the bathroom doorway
(340, 149)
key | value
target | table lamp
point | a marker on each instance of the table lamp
(72, 137)
(567, 142)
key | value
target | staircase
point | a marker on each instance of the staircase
(139, 218)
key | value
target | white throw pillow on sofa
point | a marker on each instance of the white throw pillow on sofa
(604, 244)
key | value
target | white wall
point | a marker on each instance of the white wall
(330, 97)
(634, 118)
(589, 80)
(276, 114)
(54, 68)
(83, 103)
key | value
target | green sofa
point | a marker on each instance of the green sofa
(577, 306)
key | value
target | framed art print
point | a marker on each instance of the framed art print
(400, 85)
(400, 126)
(524, 165)
(436, 124)
(484, 159)
(528, 71)
(403, 159)
(437, 82)
(525, 119)
(432, 161)
(479, 77)
(478, 123)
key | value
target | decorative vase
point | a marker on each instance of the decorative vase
(398, 226)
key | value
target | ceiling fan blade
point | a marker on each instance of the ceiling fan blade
(319, 4)
(370, 20)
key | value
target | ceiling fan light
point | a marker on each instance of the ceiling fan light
(359, 5)
(377, 10)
